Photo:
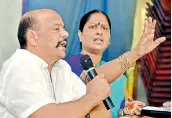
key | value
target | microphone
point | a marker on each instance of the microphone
(87, 65)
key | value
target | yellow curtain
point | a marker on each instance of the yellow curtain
(140, 16)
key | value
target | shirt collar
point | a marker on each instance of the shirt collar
(27, 55)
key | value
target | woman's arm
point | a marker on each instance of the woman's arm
(125, 61)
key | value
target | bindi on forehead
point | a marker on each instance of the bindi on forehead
(97, 22)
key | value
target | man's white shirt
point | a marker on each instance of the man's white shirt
(26, 85)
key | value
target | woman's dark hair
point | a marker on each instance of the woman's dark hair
(87, 16)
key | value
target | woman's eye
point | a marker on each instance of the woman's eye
(105, 28)
(92, 26)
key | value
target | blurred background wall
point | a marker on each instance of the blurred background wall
(10, 11)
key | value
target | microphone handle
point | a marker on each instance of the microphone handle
(107, 102)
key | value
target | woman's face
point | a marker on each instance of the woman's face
(95, 37)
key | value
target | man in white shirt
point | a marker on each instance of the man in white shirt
(36, 83)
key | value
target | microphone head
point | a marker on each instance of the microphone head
(86, 62)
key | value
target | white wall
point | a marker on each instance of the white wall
(10, 14)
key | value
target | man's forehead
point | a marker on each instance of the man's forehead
(56, 21)
(58, 24)
(51, 18)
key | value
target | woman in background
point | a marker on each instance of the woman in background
(95, 34)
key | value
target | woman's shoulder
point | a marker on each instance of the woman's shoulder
(73, 58)
(123, 76)
(74, 62)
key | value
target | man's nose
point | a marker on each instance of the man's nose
(65, 34)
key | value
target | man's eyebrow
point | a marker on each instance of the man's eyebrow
(59, 25)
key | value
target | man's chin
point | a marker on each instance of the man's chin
(62, 56)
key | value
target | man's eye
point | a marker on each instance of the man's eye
(56, 29)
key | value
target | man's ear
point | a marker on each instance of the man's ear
(32, 37)
(80, 35)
